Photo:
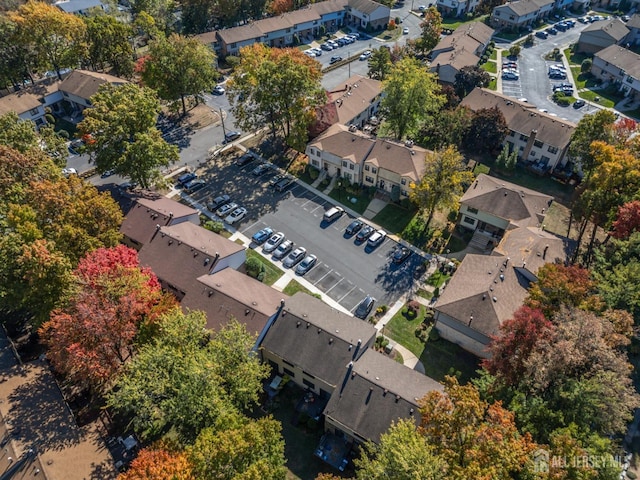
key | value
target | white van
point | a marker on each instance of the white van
(333, 214)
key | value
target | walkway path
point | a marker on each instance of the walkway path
(375, 207)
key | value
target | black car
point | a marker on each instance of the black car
(261, 169)
(365, 233)
(401, 254)
(261, 236)
(542, 34)
(186, 178)
(217, 202)
(354, 227)
(364, 307)
(579, 104)
(245, 159)
(335, 59)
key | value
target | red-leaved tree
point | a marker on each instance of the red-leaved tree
(627, 220)
(91, 338)
(159, 462)
(517, 339)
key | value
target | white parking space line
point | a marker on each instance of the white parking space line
(342, 297)
(335, 284)
(319, 206)
(251, 226)
(309, 200)
(320, 279)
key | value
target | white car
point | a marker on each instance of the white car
(376, 238)
(310, 53)
(365, 55)
(236, 215)
(405, 31)
(69, 171)
(317, 51)
(218, 90)
(226, 209)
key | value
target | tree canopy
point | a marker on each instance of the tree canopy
(279, 87)
(109, 44)
(470, 77)
(178, 67)
(411, 95)
(590, 128)
(380, 63)
(431, 30)
(122, 126)
(487, 131)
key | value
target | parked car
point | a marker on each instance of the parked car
(261, 169)
(275, 179)
(283, 184)
(235, 216)
(400, 255)
(274, 241)
(294, 257)
(335, 59)
(261, 236)
(69, 171)
(561, 26)
(510, 75)
(376, 238)
(542, 34)
(365, 55)
(579, 103)
(107, 173)
(225, 209)
(317, 51)
(364, 307)
(365, 233)
(552, 31)
(218, 90)
(333, 214)
(283, 249)
(354, 227)
(245, 159)
(326, 47)
(310, 53)
(231, 136)
(186, 178)
(306, 264)
(217, 202)
(195, 185)
(405, 31)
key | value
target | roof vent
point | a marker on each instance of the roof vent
(397, 398)
(206, 261)
(254, 303)
(330, 341)
(495, 299)
(502, 277)
(484, 296)
(308, 324)
(195, 254)
(350, 347)
(170, 242)
(411, 411)
(385, 391)
(353, 374)
(210, 292)
(319, 331)
(298, 324)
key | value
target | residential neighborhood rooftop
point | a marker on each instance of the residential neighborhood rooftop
(399, 158)
(622, 58)
(85, 84)
(613, 27)
(338, 140)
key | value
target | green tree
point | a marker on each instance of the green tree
(380, 63)
(122, 125)
(278, 87)
(161, 11)
(55, 37)
(585, 66)
(109, 44)
(23, 136)
(431, 30)
(469, 78)
(590, 128)
(501, 160)
(16, 58)
(403, 454)
(514, 51)
(442, 184)
(447, 127)
(178, 67)
(411, 95)
(180, 381)
(251, 449)
(487, 131)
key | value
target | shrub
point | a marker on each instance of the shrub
(214, 225)
(436, 292)
(313, 172)
(514, 51)
(392, 24)
(484, 58)
(296, 40)
(529, 40)
(64, 134)
(49, 118)
(561, 99)
(434, 336)
(254, 267)
(232, 61)
(586, 65)
(631, 475)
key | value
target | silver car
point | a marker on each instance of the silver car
(294, 257)
(307, 264)
(284, 248)
(273, 242)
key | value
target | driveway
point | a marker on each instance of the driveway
(534, 83)
(345, 271)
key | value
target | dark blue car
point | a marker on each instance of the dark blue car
(261, 236)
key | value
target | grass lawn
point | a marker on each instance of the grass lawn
(481, 168)
(574, 57)
(510, 36)
(603, 99)
(456, 244)
(272, 273)
(455, 22)
(494, 55)
(390, 35)
(441, 358)
(491, 67)
(504, 53)
(362, 200)
(402, 329)
(393, 218)
(493, 84)
(560, 191)
(438, 278)
(294, 287)
(424, 293)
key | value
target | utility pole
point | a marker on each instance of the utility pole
(224, 130)
(349, 61)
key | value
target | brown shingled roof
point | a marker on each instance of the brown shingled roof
(398, 158)
(523, 117)
(339, 141)
(614, 27)
(231, 293)
(622, 58)
(355, 98)
(85, 84)
(521, 206)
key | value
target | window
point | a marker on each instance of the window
(533, 154)
(289, 372)
(629, 79)
(545, 159)
(366, 168)
(521, 148)
(512, 133)
(403, 181)
(33, 111)
(308, 384)
(288, 363)
(538, 143)
(315, 163)
(472, 210)
(374, 170)
(404, 192)
(351, 166)
(552, 149)
(469, 220)
(345, 164)
(369, 179)
(523, 137)
(312, 151)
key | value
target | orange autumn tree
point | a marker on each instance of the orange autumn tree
(90, 339)
(477, 439)
(159, 462)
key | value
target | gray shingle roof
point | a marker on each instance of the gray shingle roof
(320, 340)
(85, 84)
(615, 28)
(622, 58)
(377, 392)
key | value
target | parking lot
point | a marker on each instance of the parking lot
(345, 271)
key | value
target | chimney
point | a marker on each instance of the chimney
(544, 252)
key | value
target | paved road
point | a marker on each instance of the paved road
(534, 83)
(346, 271)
